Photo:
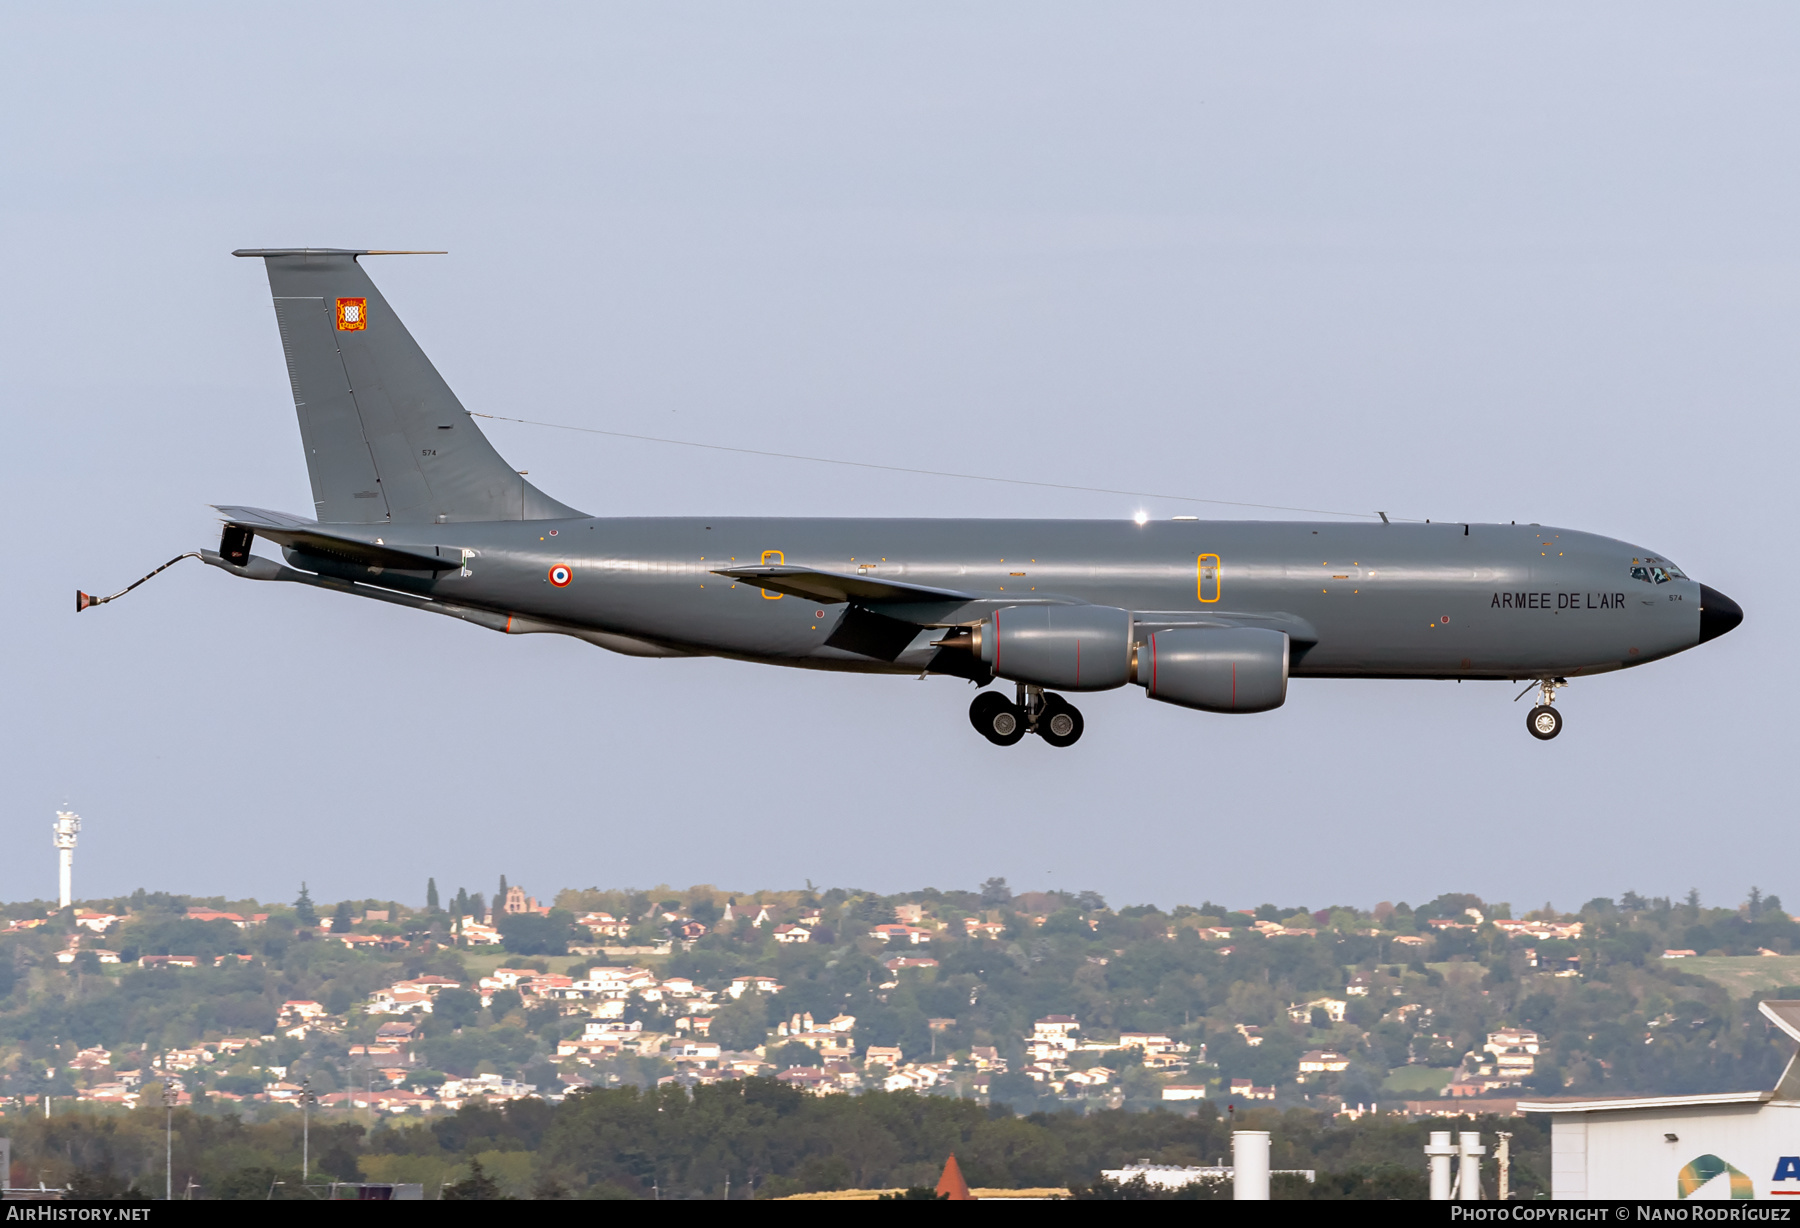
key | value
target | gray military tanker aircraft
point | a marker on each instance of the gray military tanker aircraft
(413, 506)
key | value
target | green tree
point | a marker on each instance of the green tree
(530, 933)
(304, 912)
(476, 1186)
(456, 1008)
(431, 894)
(743, 1024)
(341, 921)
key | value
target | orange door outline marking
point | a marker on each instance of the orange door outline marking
(1211, 577)
(780, 560)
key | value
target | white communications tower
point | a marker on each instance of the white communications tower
(64, 831)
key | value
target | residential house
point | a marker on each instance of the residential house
(455, 1092)
(209, 914)
(98, 922)
(1323, 1061)
(1334, 1009)
(396, 1001)
(1244, 1089)
(169, 961)
(614, 982)
(987, 1058)
(793, 933)
(363, 942)
(899, 962)
(1681, 954)
(752, 984)
(756, 914)
(909, 934)
(478, 935)
(1051, 1039)
(1514, 1052)
(1467, 1084)
(884, 1055)
(690, 931)
(377, 1051)
(1358, 986)
(1251, 1033)
(909, 914)
(983, 929)
(1541, 930)
(553, 987)
(1151, 1042)
(694, 1051)
(605, 925)
(1185, 1091)
(96, 1058)
(433, 985)
(807, 1079)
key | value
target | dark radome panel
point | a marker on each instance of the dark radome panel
(1718, 614)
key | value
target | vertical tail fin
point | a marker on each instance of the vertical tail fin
(386, 440)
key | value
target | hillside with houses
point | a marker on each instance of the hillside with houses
(1039, 1001)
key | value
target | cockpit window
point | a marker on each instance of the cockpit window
(1641, 572)
(1655, 571)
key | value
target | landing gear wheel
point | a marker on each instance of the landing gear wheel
(997, 718)
(1544, 722)
(1060, 723)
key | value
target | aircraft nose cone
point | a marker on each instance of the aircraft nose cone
(1718, 613)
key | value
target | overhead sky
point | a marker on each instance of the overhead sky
(1531, 262)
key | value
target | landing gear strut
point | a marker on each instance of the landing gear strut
(1004, 722)
(1544, 721)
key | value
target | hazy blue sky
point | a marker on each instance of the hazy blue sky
(1531, 262)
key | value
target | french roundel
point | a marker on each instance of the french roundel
(560, 576)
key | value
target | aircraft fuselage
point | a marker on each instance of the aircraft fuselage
(1392, 600)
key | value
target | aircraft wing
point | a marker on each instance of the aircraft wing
(835, 588)
(308, 535)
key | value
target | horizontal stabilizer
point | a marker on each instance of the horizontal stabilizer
(834, 588)
(300, 534)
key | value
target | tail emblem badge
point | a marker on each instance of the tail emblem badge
(352, 314)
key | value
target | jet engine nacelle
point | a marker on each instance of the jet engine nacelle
(1215, 669)
(1069, 647)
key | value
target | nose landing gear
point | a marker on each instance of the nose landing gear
(1004, 722)
(1544, 721)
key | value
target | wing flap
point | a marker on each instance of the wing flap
(834, 588)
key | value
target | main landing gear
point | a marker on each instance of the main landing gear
(1544, 721)
(1004, 722)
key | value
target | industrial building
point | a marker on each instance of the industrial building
(1727, 1145)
